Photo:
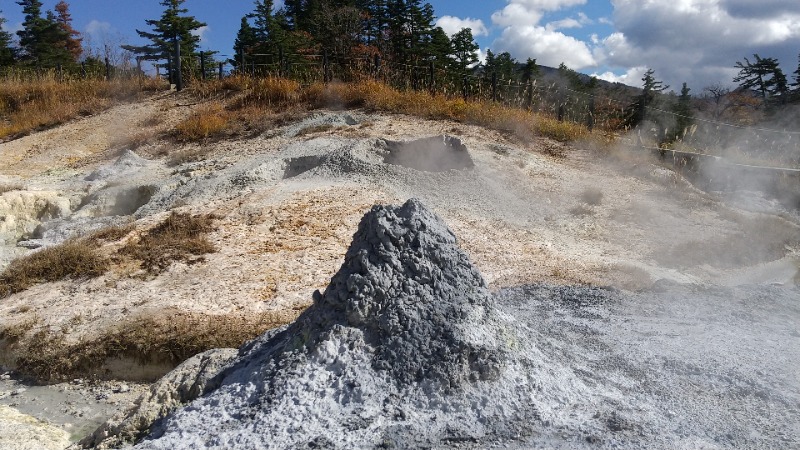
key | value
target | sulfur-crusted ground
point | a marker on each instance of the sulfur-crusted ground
(287, 203)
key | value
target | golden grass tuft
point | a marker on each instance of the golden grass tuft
(181, 237)
(76, 258)
(209, 121)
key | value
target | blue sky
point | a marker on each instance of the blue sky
(697, 41)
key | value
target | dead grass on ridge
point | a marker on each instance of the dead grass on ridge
(237, 102)
(28, 105)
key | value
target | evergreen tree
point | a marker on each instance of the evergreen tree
(763, 74)
(374, 20)
(637, 112)
(337, 29)
(683, 113)
(399, 30)
(577, 81)
(300, 13)
(531, 71)
(73, 40)
(42, 39)
(464, 50)
(503, 65)
(173, 24)
(795, 96)
(438, 47)
(7, 51)
(244, 44)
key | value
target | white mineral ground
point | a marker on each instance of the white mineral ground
(522, 215)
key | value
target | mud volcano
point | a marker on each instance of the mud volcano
(433, 154)
(403, 349)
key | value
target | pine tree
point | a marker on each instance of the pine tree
(439, 47)
(683, 113)
(41, 39)
(244, 44)
(399, 30)
(7, 51)
(502, 65)
(73, 41)
(763, 74)
(795, 93)
(464, 50)
(374, 20)
(531, 71)
(336, 29)
(173, 24)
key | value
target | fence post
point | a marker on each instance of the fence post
(108, 69)
(178, 74)
(432, 77)
(494, 86)
(325, 66)
(83, 70)
(138, 66)
(590, 119)
(60, 72)
(221, 65)
(203, 66)
(280, 62)
(529, 96)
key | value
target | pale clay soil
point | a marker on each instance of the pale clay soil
(278, 242)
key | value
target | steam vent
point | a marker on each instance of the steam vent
(402, 350)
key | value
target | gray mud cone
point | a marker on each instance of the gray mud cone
(390, 354)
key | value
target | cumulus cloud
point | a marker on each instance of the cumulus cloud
(631, 77)
(524, 37)
(549, 47)
(698, 41)
(201, 33)
(96, 27)
(452, 25)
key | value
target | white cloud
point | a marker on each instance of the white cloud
(452, 25)
(549, 47)
(201, 33)
(516, 14)
(632, 77)
(564, 23)
(97, 28)
(698, 41)
(524, 37)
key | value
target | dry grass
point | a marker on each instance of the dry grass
(28, 105)
(210, 121)
(111, 234)
(181, 237)
(73, 259)
(166, 337)
(264, 96)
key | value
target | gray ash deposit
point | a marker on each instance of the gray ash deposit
(407, 348)
(402, 349)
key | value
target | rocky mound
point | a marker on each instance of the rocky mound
(402, 349)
